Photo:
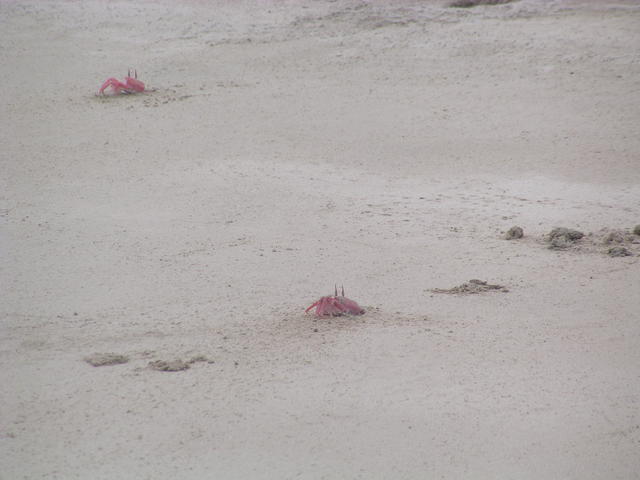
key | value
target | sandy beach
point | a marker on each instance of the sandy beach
(158, 250)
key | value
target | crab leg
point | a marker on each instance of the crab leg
(313, 305)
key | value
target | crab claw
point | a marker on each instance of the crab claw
(314, 304)
(113, 83)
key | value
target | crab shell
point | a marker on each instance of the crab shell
(335, 306)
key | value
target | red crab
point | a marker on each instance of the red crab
(336, 305)
(130, 85)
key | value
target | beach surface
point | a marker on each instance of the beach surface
(158, 250)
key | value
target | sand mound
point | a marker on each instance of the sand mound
(476, 3)
(471, 287)
(169, 366)
(619, 252)
(514, 232)
(177, 365)
(561, 237)
(105, 359)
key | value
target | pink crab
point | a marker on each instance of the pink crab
(336, 305)
(130, 85)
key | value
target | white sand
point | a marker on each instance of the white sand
(288, 146)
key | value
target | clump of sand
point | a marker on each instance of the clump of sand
(561, 237)
(615, 236)
(200, 358)
(514, 232)
(618, 237)
(620, 241)
(471, 287)
(177, 365)
(475, 3)
(105, 359)
(169, 366)
(619, 251)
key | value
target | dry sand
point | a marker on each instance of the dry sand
(287, 146)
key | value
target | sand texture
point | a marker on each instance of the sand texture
(286, 147)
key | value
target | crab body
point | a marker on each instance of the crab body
(335, 306)
(130, 84)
